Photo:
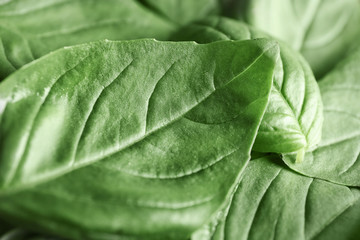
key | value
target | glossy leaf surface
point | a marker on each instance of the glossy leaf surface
(104, 143)
(323, 31)
(337, 157)
(293, 118)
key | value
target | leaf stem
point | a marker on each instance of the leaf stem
(300, 155)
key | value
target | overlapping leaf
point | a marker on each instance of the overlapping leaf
(149, 140)
(293, 119)
(322, 31)
(100, 142)
(273, 202)
(337, 157)
(30, 29)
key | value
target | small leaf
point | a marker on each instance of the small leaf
(337, 157)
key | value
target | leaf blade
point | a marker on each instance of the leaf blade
(175, 156)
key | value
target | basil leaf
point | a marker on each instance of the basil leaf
(337, 157)
(273, 202)
(141, 137)
(30, 29)
(322, 31)
(293, 118)
(183, 11)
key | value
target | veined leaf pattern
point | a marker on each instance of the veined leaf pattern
(158, 148)
(273, 202)
(337, 157)
(293, 118)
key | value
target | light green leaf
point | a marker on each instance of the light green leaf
(323, 31)
(30, 29)
(138, 137)
(293, 119)
(183, 11)
(337, 157)
(273, 202)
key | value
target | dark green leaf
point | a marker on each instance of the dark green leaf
(134, 137)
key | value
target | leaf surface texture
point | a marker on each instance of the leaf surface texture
(104, 142)
(337, 157)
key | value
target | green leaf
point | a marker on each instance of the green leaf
(30, 29)
(183, 11)
(273, 202)
(138, 137)
(337, 157)
(293, 118)
(322, 31)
